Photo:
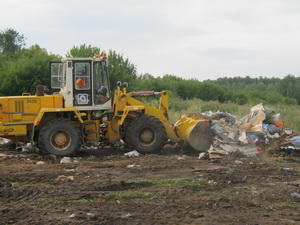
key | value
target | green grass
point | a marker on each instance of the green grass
(80, 201)
(207, 193)
(128, 194)
(230, 171)
(288, 204)
(290, 114)
(176, 182)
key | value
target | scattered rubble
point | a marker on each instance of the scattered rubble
(28, 147)
(133, 166)
(40, 163)
(65, 160)
(132, 154)
(248, 136)
(295, 195)
(6, 144)
(63, 178)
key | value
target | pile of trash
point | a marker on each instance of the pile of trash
(248, 136)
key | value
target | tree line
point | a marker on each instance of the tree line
(21, 68)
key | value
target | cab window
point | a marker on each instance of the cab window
(56, 75)
(101, 83)
(82, 76)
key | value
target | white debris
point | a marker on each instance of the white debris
(6, 144)
(132, 154)
(65, 160)
(40, 163)
(202, 155)
(28, 147)
(295, 195)
(64, 178)
(238, 162)
(133, 165)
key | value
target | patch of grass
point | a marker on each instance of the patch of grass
(66, 201)
(230, 171)
(228, 191)
(275, 160)
(206, 193)
(53, 202)
(78, 201)
(186, 181)
(288, 204)
(128, 194)
(280, 160)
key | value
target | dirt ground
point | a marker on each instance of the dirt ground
(171, 187)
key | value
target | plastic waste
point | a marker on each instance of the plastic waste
(276, 117)
(272, 129)
(40, 163)
(133, 153)
(202, 155)
(65, 160)
(295, 195)
(133, 166)
(296, 140)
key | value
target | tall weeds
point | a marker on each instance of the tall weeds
(290, 114)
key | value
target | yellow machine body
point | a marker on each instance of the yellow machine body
(194, 130)
(18, 114)
(126, 105)
(62, 122)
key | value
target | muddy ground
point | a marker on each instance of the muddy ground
(171, 187)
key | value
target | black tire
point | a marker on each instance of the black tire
(146, 134)
(59, 137)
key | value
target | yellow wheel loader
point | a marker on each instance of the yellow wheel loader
(62, 122)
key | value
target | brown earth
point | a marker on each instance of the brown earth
(172, 187)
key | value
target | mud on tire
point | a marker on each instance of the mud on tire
(146, 134)
(59, 137)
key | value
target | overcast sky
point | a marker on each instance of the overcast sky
(203, 39)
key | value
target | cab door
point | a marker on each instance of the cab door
(101, 83)
(82, 88)
(56, 72)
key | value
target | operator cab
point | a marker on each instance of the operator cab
(83, 82)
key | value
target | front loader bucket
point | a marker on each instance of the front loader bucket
(194, 130)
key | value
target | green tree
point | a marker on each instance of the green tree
(83, 51)
(209, 91)
(24, 70)
(11, 41)
(240, 98)
(290, 87)
(120, 69)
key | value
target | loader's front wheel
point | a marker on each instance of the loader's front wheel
(146, 134)
(59, 137)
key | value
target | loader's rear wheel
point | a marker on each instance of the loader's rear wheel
(146, 134)
(59, 137)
